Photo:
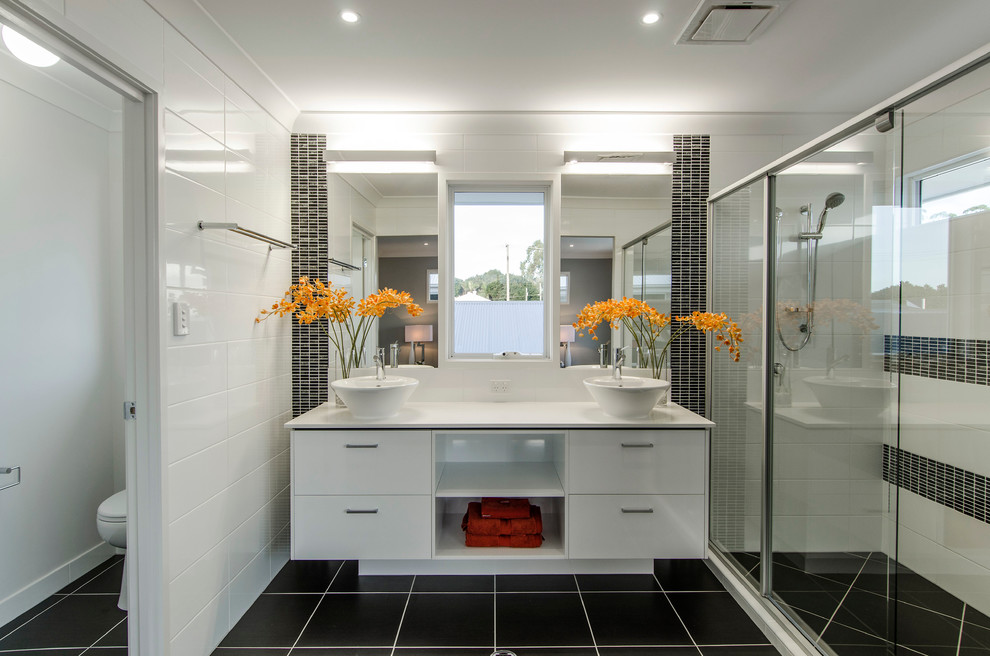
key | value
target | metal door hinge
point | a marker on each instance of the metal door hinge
(130, 410)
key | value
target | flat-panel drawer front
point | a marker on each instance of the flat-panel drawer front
(637, 526)
(334, 527)
(361, 462)
(637, 461)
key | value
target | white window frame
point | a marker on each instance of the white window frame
(549, 184)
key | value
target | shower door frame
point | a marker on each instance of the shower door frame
(874, 116)
(144, 302)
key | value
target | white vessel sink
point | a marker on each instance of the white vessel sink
(629, 397)
(847, 392)
(369, 398)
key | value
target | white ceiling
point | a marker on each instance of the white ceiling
(594, 55)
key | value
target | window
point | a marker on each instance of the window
(499, 281)
(565, 287)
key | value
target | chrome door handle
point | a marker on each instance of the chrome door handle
(637, 445)
(360, 446)
(353, 511)
(638, 511)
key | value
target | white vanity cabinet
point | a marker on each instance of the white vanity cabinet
(614, 494)
(637, 493)
(361, 494)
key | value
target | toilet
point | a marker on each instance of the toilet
(111, 522)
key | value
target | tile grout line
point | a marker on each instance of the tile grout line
(102, 637)
(587, 618)
(315, 608)
(846, 594)
(402, 617)
(962, 623)
(676, 614)
(63, 598)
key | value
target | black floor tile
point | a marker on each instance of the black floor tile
(343, 651)
(106, 651)
(29, 614)
(865, 611)
(239, 651)
(634, 619)
(714, 618)
(441, 651)
(688, 574)
(355, 620)
(648, 651)
(558, 651)
(550, 619)
(916, 589)
(813, 623)
(299, 576)
(535, 583)
(975, 637)
(107, 581)
(116, 637)
(739, 650)
(977, 618)
(918, 627)
(76, 621)
(44, 652)
(454, 584)
(272, 621)
(617, 583)
(842, 639)
(348, 580)
(787, 578)
(455, 620)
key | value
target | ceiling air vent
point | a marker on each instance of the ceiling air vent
(718, 23)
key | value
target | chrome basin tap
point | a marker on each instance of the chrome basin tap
(603, 354)
(379, 359)
(620, 358)
(393, 355)
(831, 362)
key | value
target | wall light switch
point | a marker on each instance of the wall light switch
(180, 319)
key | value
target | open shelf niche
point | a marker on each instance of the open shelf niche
(474, 464)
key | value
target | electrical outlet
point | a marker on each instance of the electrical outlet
(500, 386)
(180, 319)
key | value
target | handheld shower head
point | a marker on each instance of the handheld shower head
(832, 201)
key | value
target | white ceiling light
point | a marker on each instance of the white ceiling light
(27, 50)
(650, 18)
(349, 16)
(381, 161)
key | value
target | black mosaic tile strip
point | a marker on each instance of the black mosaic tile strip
(953, 487)
(688, 267)
(942, 358)
(310, 232)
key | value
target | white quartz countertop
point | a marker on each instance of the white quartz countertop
(583, 414)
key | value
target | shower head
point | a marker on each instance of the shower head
(832, 201)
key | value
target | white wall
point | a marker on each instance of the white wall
(62, 383)
(229, 379)
(225, 158)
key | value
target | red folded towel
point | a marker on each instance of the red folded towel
(523, 541)
(502, 508)
(474, 523)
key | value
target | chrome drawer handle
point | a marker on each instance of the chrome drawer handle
(374, 511)
(643, 511)
(637, 445)
(360, 446)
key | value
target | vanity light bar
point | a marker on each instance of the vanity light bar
(429, 156)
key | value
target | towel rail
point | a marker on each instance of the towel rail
(235, 228)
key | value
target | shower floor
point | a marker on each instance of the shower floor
(81, 618)
(842, 600)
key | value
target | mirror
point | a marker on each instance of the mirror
(409, 263)
(618, 210)
(393, 223)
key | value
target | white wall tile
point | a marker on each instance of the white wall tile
(195, 371)
(193, 590)
(193, 154)
(207, 320)
(207, 628)
(194, 534)
(192, 97)
(249, 450)
(248, 406)
(188, 202)
(246, 586)
(197, 479)
(132, 29)
(248, 540)
(196, 425)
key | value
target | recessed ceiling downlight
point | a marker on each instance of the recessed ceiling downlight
(27, 50)
(349, 16)
(650, 18)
